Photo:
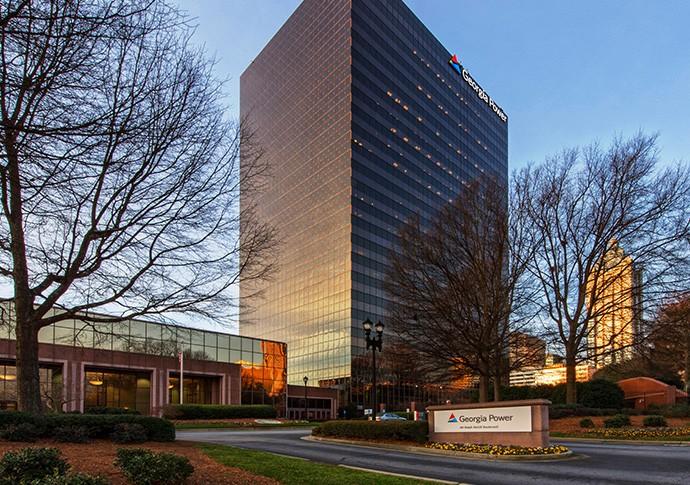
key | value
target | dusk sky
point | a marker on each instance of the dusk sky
(566, 73)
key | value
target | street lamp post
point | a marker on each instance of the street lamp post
(306, 415)
(373, 343)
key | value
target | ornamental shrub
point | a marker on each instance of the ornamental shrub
(586, 423)
(375, 430)
(654, 422)
(617, 421)
(599, 393)
(129, 433)
(144, 467)
(71, 434)
(30, 464)
(26, 432)
(71, 479)
(218, 411)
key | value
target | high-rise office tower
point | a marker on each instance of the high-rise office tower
(365, 119)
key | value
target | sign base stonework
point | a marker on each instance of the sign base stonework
(518, 423)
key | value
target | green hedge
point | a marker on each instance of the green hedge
(216, 411)
(558, 411)
(106, 410)
(675, 411)
(99, 426)
(597, 393)
(375, 430)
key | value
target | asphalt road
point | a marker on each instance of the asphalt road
(599, 463)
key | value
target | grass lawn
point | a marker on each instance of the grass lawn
(293, 471)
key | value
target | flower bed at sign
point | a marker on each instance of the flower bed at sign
(500, 450)
(630, 433)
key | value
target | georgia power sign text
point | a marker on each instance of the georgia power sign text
(483, 95)
(484, 420)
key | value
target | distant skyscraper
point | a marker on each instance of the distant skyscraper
(617, 308)
(365, 119)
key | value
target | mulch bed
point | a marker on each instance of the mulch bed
(572, 424)
(97, 457)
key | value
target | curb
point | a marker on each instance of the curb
(458, 454)
(619, 442)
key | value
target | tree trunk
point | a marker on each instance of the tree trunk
(483, 388)
(687, 363)
(28, 380)
(497, 389)
(28, 384)
(570, 381)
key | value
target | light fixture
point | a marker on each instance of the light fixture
(171, 386)
(96, 382)
(8, 377)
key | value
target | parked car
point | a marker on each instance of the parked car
(389, 417)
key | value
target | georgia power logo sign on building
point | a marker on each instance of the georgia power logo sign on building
(484, 420)
(481, 94)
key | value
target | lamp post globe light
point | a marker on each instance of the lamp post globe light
(305, 379)
(373, 343)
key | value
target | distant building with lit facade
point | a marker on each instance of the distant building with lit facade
(617, 308)
(525, 350)
(549, 375)
(365, 120)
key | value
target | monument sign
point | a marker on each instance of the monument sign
(522, 423)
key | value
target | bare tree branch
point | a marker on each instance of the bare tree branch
(120, 174)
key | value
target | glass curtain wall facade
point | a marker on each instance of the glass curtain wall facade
(116, 389)
(50, 381)
(295, 96)
(264, 362)
(417, 132)
(420, 133)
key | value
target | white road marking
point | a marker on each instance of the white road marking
(414, 477)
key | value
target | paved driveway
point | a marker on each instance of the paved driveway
(601, 463)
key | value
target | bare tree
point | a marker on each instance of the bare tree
(582, 207)
(458, 288)
(119, 172)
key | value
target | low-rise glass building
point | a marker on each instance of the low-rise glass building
(135, 364)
